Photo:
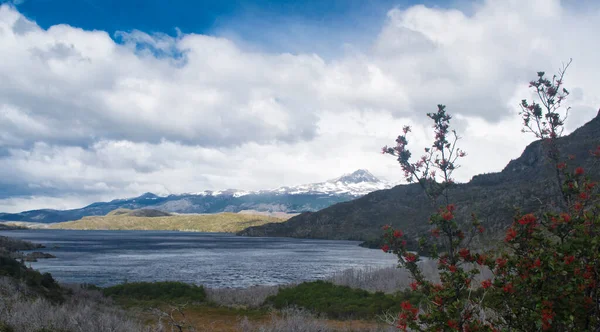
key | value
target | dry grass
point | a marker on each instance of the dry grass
(298, 320)
(387, 279)
(251, 297)
(22, 311)
(219, 222)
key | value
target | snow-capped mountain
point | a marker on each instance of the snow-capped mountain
(358, 183)
(293, 199)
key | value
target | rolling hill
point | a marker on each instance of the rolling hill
(149, 219)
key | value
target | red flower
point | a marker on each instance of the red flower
(414, 285)
(402, 326)
(481, 259)
(547, 316)
(448, 216)
(486, 284)
(511, 234)
(465, 253)
(527, 219)
(443, 261)
(450, 207)
(579, 171)
(435, 232)
(410, 257)
(385, 227)
(501, 262)
(584, 196)
(452, 268)
(565, 217)
(453, 325)
(537, 263)
(578, 206)
(385, 248)
(569, 259)
(398, 234)
(406, 306)
(561, 165)
(480, 229)
(508, 288)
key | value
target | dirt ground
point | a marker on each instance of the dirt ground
(221, 319)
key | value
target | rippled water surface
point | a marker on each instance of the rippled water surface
(215, 260)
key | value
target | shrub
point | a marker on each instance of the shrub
(23, 311)
(546, 275)
(337, 301)
(43, 284)
(5, 328)
(161, 291)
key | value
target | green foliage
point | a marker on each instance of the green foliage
(156, 291)
(5, 327)
(338, 301)
(44, 284)
(12, 245)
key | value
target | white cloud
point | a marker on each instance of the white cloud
(83, 117)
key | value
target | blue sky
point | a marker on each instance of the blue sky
(266, 94)
(320, 26)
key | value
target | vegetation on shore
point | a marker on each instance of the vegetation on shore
(341, 302)
(123, 219)
(160, 291)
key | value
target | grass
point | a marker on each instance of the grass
(338, 302)
(162, 291)
(219, 222)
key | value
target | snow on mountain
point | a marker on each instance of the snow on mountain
(358, 183)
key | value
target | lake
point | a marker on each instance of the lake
(215, 260)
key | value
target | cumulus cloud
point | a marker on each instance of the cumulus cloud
(84, 116)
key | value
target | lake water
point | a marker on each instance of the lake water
(212, 259)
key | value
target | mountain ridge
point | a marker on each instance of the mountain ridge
(494, 197)
(292, 199)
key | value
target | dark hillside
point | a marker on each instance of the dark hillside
(525, 182)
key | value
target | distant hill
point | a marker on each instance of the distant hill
(295, 199)
(145, 219)
(494, 197)
(149, 213)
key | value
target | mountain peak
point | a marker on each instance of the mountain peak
(358, 176)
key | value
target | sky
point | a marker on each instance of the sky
(111, 99)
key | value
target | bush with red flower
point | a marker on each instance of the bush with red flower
(546, 274)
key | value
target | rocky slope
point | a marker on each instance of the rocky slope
(524, 183)
(295, 199)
